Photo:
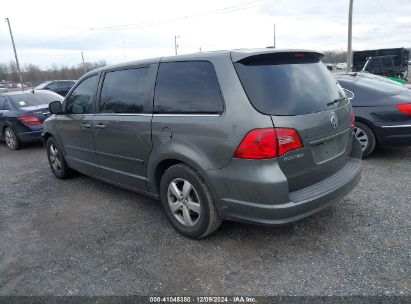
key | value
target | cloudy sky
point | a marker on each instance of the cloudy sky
(48, 32)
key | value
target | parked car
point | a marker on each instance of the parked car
(58, 86)
(341, 66)
(3, 87)
(22, 115)
(382, 110)
(259, 136)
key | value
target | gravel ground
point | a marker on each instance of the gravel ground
(85, 237)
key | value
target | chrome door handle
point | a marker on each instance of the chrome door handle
(100, 126)
(85, 125)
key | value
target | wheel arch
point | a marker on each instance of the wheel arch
(156, 170)
(369, 124)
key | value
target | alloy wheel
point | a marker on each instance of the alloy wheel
(184, 202)
(55, 158)
(362, 137)
(11, 139)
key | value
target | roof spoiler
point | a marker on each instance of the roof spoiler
(237, 56)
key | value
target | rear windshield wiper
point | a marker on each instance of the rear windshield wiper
(335, 101)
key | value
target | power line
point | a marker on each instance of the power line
(60, 39)
(388, 15)
(229, 9)
(224, 10)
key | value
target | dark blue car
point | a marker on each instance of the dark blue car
(382, 110)
(22, 115)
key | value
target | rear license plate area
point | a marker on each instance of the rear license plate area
(329, 149)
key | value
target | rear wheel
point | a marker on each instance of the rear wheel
(56, 159)
(188, 203)
(12, 141)
(366, 137)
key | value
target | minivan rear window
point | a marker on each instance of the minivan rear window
(289, 84)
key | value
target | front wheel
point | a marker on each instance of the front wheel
(366, 137)
(187, 202)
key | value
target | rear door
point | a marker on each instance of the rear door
(75, 127)
(122, 125)
(299, 93)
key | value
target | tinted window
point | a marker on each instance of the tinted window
(289, 84)
(29, 99)
(187, 87)
(64, 84)
(124, 91)
(52, 86)
(81, 99)
(42, 86)
(68, 83)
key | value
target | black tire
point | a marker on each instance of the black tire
(208, 219)
(366, 137)
(58, 164)
(12, 141)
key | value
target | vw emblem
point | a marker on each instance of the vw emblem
(334, 120)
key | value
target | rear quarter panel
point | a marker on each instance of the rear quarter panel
(206, 143)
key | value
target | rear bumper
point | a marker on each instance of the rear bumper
(302, 203)
(258, 192)
(31, 136)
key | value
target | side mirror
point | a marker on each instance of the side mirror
(55, 107)
(349, 94)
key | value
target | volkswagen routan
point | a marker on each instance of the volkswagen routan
(259, 136)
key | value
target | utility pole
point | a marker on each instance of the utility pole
(15, 55)
(274, 36)
(175, 43)
(349, 52)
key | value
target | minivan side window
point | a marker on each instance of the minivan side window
(187, 87)
(81, 99)
(124, 91)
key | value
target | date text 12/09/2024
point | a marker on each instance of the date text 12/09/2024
(187, 299)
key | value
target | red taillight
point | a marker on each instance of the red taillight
(30, 119)
(288, 140)
(268, 143)
(352, 119)
(404, 108)
(258, 144)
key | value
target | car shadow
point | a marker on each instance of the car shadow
(229, 230)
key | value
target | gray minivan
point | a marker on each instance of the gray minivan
(259, 136)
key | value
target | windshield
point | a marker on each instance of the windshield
(381, 86)
(29, 99)
(42, 86)
(286, 84)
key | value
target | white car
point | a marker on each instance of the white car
(341, 66)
